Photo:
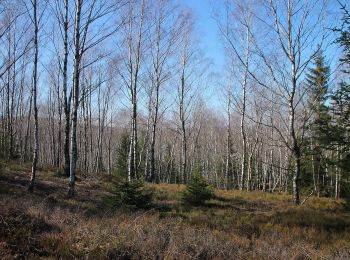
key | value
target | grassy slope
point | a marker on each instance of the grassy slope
(238, 225)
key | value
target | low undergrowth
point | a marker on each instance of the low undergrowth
(232, 225)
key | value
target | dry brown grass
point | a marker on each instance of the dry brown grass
(236, 225)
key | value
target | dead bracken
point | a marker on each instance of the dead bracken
(233, 225)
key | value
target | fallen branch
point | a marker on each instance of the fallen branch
(312, 192)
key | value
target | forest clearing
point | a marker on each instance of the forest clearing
(235, 225)
(175, 129)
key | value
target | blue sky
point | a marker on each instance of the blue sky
(211, 41)
(209, 35)
(208, 31)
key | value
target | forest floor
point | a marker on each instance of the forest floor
(235, 225)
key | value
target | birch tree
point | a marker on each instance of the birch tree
(63, 22)
(190, 72)
(295, 27)
(35, 21)
(87, 13)
(133, 41)
(163, 37)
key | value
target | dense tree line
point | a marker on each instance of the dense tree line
(120, 87)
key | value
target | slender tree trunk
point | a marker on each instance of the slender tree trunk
(66, 99)
(183, 127)
(27, 135)
(153, 174)
(35, 107)
(59, 138)
(296, 151)
(147, 171)
(8, 104)
(228, 141)
(134, 80)
(337, 179)
(313, 166)
(74, 152)
(11, 126)
(156, 108)
(243, 111)
(110, 146)
(86, 140)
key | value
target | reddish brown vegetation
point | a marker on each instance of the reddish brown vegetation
(236, 225)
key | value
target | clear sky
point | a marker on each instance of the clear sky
(208, 32)
(209, 35)
(211, 41)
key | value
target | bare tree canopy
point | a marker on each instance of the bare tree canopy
(131, 88)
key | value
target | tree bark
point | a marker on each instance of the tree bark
(228, 140)
(66, 99)
(183, 123)
(73, 148)
(35, 107)
(134, 88)
(243, 112)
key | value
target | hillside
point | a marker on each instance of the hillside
(235, 225)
